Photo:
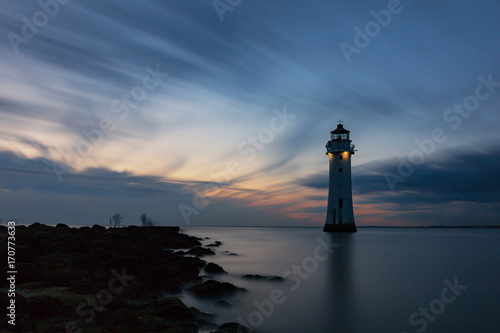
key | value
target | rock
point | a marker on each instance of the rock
(215, 244)
(260, 277)
(222, 303)
(212, 288)
(202, 315)
(214, 269)
(200, 263)
(175, 312)
(232, 328)
(73, 264)
(177, 329)
(24, 323)
(277, 279)
(65, 277)
(200, 251)
(21, 306)
(166, 301)
(150, 323)
(123, 321)
(46, 307)
(172, 310)
(230, 253)
(23, 254)
(252, 276)
(206, 325)
(27, 272)
(39, 227)
(62, 225)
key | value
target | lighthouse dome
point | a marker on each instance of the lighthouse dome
(340, 130)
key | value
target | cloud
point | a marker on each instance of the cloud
(465, 176)
(225, 80)
(30, 190)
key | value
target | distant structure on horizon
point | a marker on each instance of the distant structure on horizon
(146, 221)
(340, 214)
(117, 219)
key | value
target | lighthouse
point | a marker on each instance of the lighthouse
(340, 214)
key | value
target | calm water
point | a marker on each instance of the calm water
(373, 281)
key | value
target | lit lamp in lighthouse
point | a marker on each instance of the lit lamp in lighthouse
(340, 213)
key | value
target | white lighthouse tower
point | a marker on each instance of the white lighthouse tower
(340, 214)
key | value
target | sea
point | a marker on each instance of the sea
(399, 280)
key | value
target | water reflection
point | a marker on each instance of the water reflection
(372, 282)
(341, 286)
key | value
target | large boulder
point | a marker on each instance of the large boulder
(212, 268)
(43, 306)
(123, 321)
(151, 323)
(27, 272)
(214, 289)
(200, 251)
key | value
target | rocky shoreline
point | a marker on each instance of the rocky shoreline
(100, 280)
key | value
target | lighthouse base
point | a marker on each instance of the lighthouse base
(345, 227)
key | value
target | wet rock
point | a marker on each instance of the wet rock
(23, 254)
(64, 277)
(252, 276)
(150, 323)
(260, 277)
(206, 325)
(177, 329)
(190, 328)
(27, 272)
(232, 328)
(123, 321)
(73, 264)
(215, 244)
(200, 251)
(277, 279)
(230, 253)
(200, 263)
(39, 227)
(172, 309)
(175, 313)
(46, 307)
(212, 288)
(24, 323)
(214, 269)
(222, 303)
(166, 301)
(202, 315)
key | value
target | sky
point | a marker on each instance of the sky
(218, 112)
